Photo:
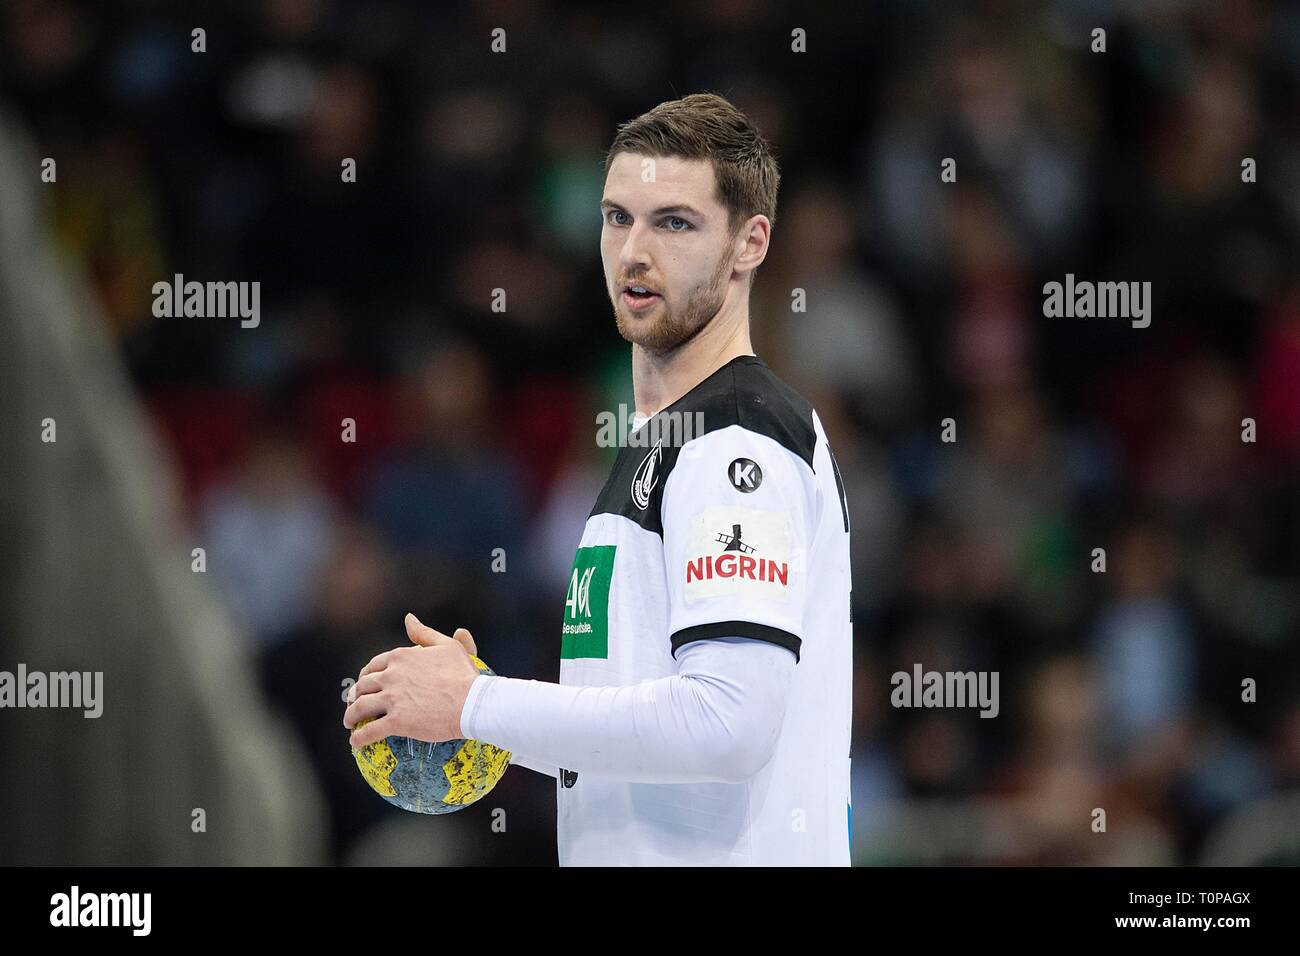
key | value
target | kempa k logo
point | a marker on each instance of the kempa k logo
(745, 475)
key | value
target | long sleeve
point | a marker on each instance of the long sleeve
(716, 720)
(532, 763)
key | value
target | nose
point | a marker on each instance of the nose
(634, 256)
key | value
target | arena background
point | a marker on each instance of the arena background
(476, 429)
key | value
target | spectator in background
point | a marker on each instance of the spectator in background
(449, 501)
(1143, 642)
(1276, 372)
(450, 489)
(848, 336)
(268, 529)
(1007, 487)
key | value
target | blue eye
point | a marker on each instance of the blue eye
(671, 220)
(609, 217)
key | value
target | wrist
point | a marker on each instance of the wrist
(472, 698)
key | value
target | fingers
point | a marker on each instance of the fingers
(426, 636)
(422, 634)
(377, 663)
(375, 730)
(466, 640)
(364, 708)
(366, 685)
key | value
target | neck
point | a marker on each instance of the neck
(660, 378)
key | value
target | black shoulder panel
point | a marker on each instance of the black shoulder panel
(770, 407)
(743, 392)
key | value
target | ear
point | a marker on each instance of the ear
(752, 241)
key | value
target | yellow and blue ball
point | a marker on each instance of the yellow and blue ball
(426, 777)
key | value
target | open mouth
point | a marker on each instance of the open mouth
(638, 297)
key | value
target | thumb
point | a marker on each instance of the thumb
(422, 634)
(467, 640)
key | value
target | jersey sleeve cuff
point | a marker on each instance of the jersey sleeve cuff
(476, 690)
(759, 632)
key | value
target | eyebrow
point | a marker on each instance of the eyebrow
(661, 211)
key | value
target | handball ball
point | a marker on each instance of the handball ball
(426, 777)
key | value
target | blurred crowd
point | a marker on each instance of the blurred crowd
(474, 461)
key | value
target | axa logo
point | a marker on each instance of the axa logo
(647, 476)
(737, 561)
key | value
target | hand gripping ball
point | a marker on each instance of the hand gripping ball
(426, 777)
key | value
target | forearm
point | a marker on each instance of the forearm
(716, 720)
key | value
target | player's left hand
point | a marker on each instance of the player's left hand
(415, 692)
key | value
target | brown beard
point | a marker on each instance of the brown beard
(671, 331)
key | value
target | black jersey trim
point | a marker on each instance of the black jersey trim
(839, 485)
(743, 392)
(759, 632)
(767, 406)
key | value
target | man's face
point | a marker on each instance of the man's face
(670, 237)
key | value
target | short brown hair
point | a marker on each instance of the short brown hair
(707, 126)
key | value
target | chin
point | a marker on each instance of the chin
(633, 326)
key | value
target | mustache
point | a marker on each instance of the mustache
(627, 281)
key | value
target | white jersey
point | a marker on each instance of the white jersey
(725, 516)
